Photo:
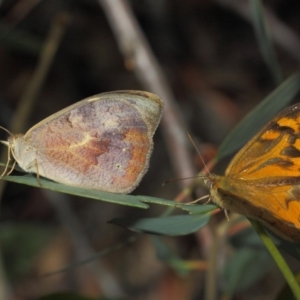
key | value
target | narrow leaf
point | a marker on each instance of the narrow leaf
(93, 194)
(260, 115)
(171, 226)
(264, 40)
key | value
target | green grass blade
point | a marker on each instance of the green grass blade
(264, 40)
(281, 263)
(93, 194)
(260, 115)
(170, 226)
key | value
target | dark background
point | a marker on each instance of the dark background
(210, 56)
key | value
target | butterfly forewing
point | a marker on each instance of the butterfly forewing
(263, 179)
(103, 142)
(273, 152)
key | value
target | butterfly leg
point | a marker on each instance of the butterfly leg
(37, 172)
(199, 199)
(226, 214)
(12, 168)
(36, 165)
(6, 166)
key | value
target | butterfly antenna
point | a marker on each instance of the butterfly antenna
(8, 145)
(204, 164)
(178, 179)
(6, 130)
(8, 158)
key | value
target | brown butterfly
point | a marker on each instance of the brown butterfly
(262, 181)
(103, 142)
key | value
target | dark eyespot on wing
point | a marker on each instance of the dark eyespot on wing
(286, 129)
(290, 151)
(293, 138)
(274, 126)
(275, 161)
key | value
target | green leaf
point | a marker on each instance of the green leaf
(290, 247)
(199, 208)
(154, 200)
(260, 115)
(129, 200)
(264, 40)
(93, 194)
(171, 226)
(278, 258)
(191, 208)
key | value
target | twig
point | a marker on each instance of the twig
(19, 11)
(138, 55)
(29, 97)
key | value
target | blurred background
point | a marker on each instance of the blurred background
(206, 63)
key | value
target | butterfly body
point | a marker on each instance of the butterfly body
(103, 142)
(262, 181)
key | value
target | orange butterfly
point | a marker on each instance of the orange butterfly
(262, 181)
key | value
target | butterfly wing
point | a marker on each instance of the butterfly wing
(263, 179)
(103, 142)
(273, 152)
(275, 206)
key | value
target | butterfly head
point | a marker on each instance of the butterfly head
(208, 181)
(211, 183)
(10, 144)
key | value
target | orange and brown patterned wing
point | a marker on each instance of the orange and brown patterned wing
(263, 179)
(273, 152)
(277, 206)
(103, 142)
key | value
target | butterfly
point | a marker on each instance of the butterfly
(103, 142)
(262, 181)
